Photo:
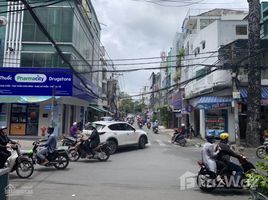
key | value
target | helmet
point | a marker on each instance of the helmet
(50, 129)
(3, 128)
(224, 136)
(210, 138)
(182, 124)
(91, 125)
(75, 123)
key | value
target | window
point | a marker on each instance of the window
(115, 127)
(241, 30)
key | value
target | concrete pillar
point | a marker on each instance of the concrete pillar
(202, 123)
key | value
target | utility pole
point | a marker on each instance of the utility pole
(254, 74)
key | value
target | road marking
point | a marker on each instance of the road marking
(161, 143)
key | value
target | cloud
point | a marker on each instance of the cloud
(139, 29)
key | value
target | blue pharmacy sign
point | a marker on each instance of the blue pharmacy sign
(36, 81)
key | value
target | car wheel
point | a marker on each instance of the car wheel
(142, 142)
(112, 145)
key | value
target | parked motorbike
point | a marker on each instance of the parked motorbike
(59, 158)
(149, 125)
(102, 152)
(155, 130)
(19, 163)
(262, 151)
(207, 180)
(179, 139)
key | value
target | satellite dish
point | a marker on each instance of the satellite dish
(3, 21)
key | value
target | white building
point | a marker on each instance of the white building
(208, 97)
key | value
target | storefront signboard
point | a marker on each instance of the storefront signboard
(36, 81)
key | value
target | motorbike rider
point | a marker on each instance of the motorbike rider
(155, 125)
(209, 155)
(5, 142)
(49, 146)
(225, 153)
(93, 140)
(74, 131)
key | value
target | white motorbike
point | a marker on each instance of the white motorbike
(19, 163)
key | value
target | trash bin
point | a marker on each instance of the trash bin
(4, 181)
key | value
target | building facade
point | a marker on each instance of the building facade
(74, 27)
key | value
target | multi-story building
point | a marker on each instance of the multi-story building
(74, 27)
(210, 93)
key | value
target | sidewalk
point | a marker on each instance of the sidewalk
(198, 142)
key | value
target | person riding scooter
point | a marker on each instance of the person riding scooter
(225, 153)
(49, 146)
(93, 140)
(5, 142)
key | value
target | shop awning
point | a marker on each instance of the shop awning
(98, 108)
(23, 99)
(210, 102)
(264, 92)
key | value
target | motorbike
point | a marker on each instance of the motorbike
(155, 130)
(140, 124)
(102, 152)
(19, 163)
(179, 139)
(262, 151)
(207, 180)
(68, 141)
(59, 158)
(148, 125)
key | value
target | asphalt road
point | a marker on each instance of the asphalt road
(151, 173)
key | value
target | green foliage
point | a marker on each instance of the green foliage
(163, 113)
(258, 180)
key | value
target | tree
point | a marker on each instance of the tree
(254, 74)
(127, 104)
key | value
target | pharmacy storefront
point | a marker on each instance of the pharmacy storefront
(29, 98)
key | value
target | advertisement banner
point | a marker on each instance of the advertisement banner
(36, 81)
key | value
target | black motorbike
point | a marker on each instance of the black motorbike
(59, 158)
(155, 130)
(179, 138)
(207, 180)
(149, 125)
(262, 151)
(102, 152)
(68, 141)
(140, 124)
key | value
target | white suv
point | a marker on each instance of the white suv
(118, 134)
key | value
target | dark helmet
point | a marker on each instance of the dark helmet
(50, 129)
(90, 125)
(210, 138)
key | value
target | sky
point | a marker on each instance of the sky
(139, 29)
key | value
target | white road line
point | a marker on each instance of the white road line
(161, 143)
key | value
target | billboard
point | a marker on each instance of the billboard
(36, 81)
